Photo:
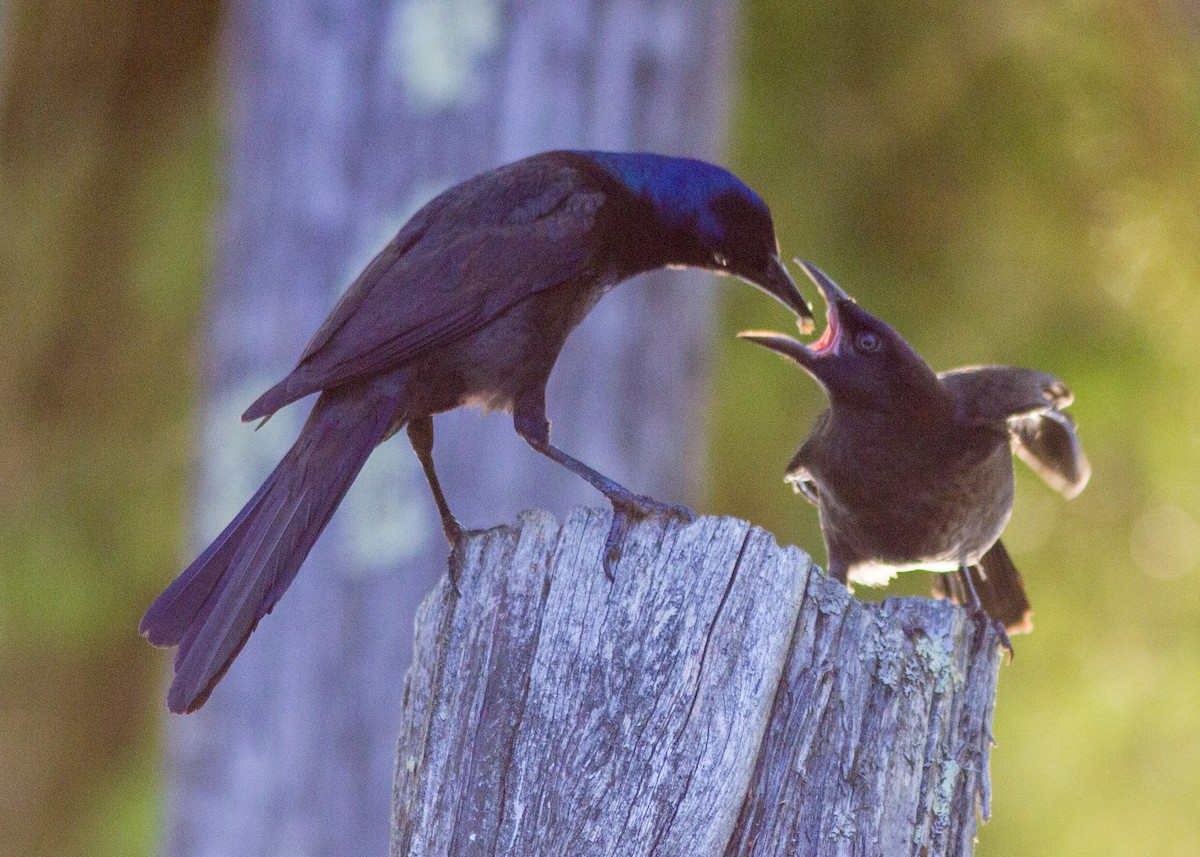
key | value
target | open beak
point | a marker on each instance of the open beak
(778, 283)
(827, 343)
(779, 343)
(830, 291)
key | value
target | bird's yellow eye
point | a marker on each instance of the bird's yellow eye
(866, 342)
(721, 259)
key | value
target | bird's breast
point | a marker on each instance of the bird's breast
(514, 353)
(883, 513)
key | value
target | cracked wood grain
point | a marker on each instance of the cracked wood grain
(721, 697)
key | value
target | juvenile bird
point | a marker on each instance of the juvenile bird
(469, 304)
(913, 469)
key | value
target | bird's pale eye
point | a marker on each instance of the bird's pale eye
(866, 342)
(721, 260)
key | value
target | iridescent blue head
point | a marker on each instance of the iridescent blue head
(710, 219)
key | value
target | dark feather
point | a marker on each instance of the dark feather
(431, 286)
(1048, 443)
(797, 473)
(1029, 402)
(1000, 588)
(210, 610)
(987, 394)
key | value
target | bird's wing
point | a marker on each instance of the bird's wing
(802, 483)
(988, 394)
(464, 260)
(797, 473)
(1029, 403)
(1047, 442)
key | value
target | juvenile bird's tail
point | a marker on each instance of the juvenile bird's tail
(210, 610)
(1000, 588)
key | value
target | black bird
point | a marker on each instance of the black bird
(913, 469)
(469, 304)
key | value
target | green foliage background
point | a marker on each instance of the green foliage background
(1010, 182)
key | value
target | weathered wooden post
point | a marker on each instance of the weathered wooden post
(720, 697)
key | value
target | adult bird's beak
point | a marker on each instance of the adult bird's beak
(778, 283)
(798, 351)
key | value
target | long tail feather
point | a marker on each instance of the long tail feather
(211, 609)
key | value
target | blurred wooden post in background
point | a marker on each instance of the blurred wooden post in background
(343, 118)
(720, 698)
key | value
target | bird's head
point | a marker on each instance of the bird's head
(708, 218)
(858, 359)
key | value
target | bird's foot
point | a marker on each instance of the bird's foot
(638, 506)
(626, 512)
(968, 596)
(455, 562)
(1005, 640)
(980, 615)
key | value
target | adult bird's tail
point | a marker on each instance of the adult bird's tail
(1000, 588)
(211, 609)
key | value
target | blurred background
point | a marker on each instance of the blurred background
(1010, 182)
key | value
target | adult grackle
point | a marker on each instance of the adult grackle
(469, 304)
(913, 469)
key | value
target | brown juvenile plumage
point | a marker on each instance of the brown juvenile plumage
(913, 469)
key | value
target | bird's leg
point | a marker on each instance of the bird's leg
(420, 435)
(529, 419)
(954, 587)
(839, 571)
(976, 604)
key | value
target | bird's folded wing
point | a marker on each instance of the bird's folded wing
(445, 275)
(801, 481)
(797, 473)
(450, 282)
(1047, 442)
(433, 296)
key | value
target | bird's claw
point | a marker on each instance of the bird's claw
(626, 512)
(1005, 640)
(981, 615)
(638, 507)
(458, 558)
(455, 562)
